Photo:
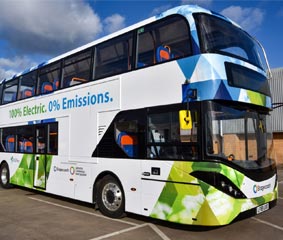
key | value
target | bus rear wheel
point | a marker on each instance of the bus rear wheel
(5, 176)
(110, 197)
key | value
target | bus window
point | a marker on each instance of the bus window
(167, 141)
(114, 56)
(8, 140)
(163, 130)
(52, 139)
(25, 136)
(126, 135)
(219, 36)
(27, 85)
(1, 87)
(10, 91)
(2, 144)
(40, 140)
(145, 49)
(162, 41)
(77, 69)
(49, 78)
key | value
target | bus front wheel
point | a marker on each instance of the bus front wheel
(110, 197)
(5, 176)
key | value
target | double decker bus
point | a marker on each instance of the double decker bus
(168, 118)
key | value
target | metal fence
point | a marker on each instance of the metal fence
(276, 85)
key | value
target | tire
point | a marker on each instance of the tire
(5, 176)
(110, 197)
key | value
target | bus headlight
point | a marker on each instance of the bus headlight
(220, 182)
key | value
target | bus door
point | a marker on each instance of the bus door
(171, 139)
(40, 157)
(154, 176)
(156, 169)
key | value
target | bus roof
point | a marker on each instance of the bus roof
(185, 10)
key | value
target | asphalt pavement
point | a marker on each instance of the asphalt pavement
(26, 215)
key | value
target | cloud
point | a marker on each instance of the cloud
(9, 67)
(160, 9)
(34, 29)
(47, 27)
(114, 23)
(6, 74)
(249, 19)
(201, 3)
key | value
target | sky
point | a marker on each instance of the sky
(34, 31)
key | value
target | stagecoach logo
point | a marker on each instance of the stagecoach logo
(258, 188)
(58, 169)
(78, 171)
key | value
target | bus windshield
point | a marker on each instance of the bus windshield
(238, 135)
(219, 36)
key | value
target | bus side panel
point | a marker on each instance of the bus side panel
(127, 171)
(153, 86)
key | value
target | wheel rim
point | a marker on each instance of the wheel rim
(4, 176)
(112, 197)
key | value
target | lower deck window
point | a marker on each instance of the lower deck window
(165, 139)
(39, 138)
(151, 133)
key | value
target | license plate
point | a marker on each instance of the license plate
(262, 208)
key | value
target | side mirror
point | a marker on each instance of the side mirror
(185, 120)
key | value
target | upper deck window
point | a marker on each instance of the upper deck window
(114, 56)
(162, 41)
(49, 78)
(1, 88)
(219, 36)
(77, 69)
(10, 91)
(27, 85)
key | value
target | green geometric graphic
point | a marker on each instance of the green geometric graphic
(187, 200)
(24, 176)
(257, 98)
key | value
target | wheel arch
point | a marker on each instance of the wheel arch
(98, 179)
(6, 176)
(4, 162)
